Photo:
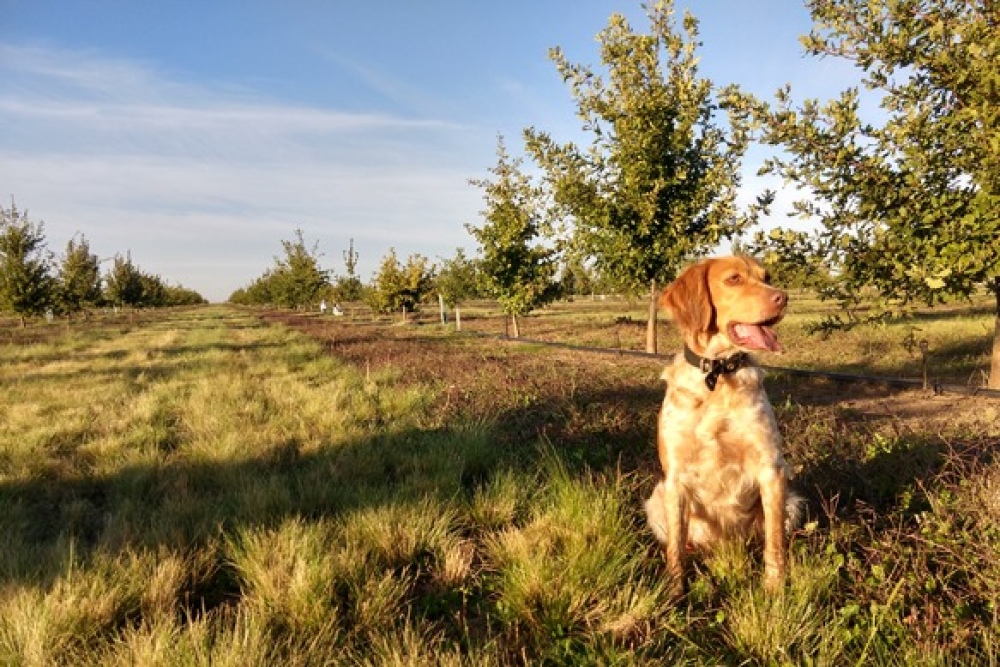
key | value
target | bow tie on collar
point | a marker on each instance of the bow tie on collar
(713, 368)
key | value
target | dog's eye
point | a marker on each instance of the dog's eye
(734, 279)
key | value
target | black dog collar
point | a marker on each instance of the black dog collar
(713, 368)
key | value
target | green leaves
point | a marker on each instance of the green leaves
(457, 279)
(910, 207)
(657, 185)
(124, 282)
(79, 277)
(26, 283)
(295, 280)
(297, 277)
(397, 286)
(518, 268)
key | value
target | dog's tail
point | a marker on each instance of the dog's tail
(794, 512)
(656, 513)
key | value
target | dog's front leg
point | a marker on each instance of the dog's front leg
(676, 519)
(667, 516)
(773, 493)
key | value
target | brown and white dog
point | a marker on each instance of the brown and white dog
(723, 473)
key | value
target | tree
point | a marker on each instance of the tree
(457, 281)
(517, 269)
(401, 287)
(154, 291)
(124, 282)
(297, 278)
(575, 278)
(178, 295)
(258, 292)
(26, 283)
(790, 259)
(350, 287)
(658, 184)
(910, 207)
(79, 278)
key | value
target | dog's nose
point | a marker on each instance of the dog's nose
(780, 299)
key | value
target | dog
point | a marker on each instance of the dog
(724, 476)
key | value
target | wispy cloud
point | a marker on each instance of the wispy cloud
(178, 172)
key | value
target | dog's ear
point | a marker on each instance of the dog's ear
(688, 299)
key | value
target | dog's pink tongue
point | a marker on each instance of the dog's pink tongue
(757, 337)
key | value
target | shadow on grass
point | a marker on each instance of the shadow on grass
(61, 514)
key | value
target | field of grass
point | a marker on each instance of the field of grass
(224, 487)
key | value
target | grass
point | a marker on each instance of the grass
(202, 487)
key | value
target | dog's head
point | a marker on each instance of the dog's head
(725, 304)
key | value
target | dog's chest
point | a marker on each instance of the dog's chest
(718, 444)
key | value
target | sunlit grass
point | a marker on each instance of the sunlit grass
(198, 488)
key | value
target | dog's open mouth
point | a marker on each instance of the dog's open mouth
(755, 336)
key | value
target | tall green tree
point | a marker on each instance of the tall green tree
(79, 278)
(657, 186)
(26, 283)
(575, 278)
(154, 290)
(401, 287)
(297, 278)
(457, 281)
(909, 205)
(124, 282)
(518, 268)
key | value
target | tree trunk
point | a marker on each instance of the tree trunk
(651, 321)
(994, 380)
(458, 319)
(514, 328)
(444, 316)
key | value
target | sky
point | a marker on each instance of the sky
(196, 135)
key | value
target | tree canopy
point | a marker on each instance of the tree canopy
(911, 205)
(399, 286)
(79, 277)
(349, 286)
(26, 284)
(295, 281)
(124, 282)
(457, 279)
(518, 269)
(658, 184)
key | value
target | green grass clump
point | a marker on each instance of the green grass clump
(574, 576)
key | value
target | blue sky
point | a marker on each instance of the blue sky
(199, 134)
